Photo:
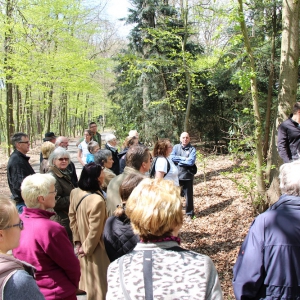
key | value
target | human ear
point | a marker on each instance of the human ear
(40, 199)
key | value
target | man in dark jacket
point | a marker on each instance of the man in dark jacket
(111, 145)
(18, 167)
(268, 264)
(289, 136)
(184, 156)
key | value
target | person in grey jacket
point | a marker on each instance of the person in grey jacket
(16, 277)
(154, 209)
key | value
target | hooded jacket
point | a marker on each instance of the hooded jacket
(268, 264)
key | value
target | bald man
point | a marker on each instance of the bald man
(184, 156)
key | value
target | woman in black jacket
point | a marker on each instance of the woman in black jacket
(118, 236)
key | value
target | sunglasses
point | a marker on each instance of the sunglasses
(20, 225)
(63, 158)
(24, 142)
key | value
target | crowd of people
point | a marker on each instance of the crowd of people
(114, 233)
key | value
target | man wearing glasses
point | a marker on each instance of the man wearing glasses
(18, 167)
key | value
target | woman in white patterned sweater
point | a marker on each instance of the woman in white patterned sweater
(171, 272)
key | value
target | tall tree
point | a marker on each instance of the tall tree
(288, 80)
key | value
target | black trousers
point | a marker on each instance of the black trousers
(187, 187)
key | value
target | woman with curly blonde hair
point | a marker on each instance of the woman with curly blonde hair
(158, 268)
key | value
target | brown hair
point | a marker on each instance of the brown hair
(296, 107)
(136, 155)
(127, 186)
(161, 148)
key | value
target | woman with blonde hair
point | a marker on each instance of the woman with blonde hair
(154, 209)
(16, 277)
(47, 148)
(44, 243)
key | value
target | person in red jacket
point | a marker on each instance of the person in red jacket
(45, 243)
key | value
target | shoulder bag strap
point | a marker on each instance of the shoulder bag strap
(125, 293)
(81, 200)
(147, 270)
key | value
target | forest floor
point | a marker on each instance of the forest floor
(223, 214)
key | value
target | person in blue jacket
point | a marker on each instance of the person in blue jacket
(268, 264)
(184, 156)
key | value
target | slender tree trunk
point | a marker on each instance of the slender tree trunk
(184, 12)
(257, 119)
(270, 84)
(8, 72)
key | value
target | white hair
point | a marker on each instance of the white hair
(56, 154)
(133, 133)
(110, 137)
(290, 178)
(34, 186)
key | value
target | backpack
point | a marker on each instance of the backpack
(152, 168)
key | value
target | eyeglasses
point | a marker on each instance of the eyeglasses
(20, 225)
(63, 158)
(24, 142)
(55, 192)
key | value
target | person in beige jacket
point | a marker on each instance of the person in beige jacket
(87, 215)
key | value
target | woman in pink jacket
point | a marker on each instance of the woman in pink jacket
(44, 243)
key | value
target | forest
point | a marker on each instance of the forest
(226, 71)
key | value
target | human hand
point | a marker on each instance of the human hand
(81, 252)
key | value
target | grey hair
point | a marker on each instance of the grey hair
(289, 175)
(109, 137)
(102, 156)
(92, 145)
(17, 137)
(59, 140)
(56, 154)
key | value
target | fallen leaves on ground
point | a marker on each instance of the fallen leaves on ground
(223, 217)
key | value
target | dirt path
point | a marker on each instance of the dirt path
(223, 214)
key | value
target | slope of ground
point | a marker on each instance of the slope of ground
(223, 215)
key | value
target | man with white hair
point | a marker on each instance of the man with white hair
(111, 144)
(268, 264)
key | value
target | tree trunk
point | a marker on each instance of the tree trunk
(270, 84)
(288, 79)
(8, 72)
(184, 12)
(260, 185)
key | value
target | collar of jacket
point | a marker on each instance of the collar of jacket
(21, 154)
(294, 122)
(36, 213)
(110, 147)
(56, 171)
(130, 170)
(188, 146)
(286, 202)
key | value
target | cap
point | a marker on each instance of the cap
(49, 136)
